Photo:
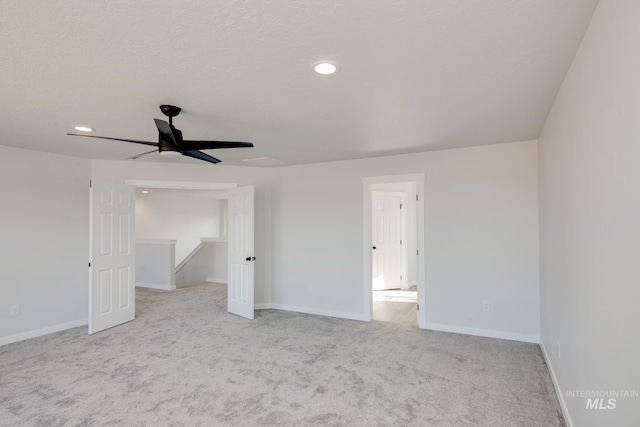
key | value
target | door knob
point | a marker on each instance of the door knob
(250, 258)
(374, 247)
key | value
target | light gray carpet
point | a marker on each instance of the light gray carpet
(185, 361)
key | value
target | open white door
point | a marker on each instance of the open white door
(387, 240)
(241, 256)
(112, 255)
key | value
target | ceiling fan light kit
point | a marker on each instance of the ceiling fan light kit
(171, 144)
(170, 154)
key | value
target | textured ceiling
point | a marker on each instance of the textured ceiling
(415, 75)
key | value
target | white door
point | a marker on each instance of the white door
(112, 255)
(387, 240)
(241, 256)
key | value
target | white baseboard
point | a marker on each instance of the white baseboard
(262, 306)
(44, 331)
(413, 283)
(214, 280)
(155, 286)
(483, 333)
(408, 285)
(319, 312)
(563, 405)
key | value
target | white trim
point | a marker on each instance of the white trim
(44, 331)
(155, 242)
(316, 311)
(556, 385)
(263, 306)
(367, 183)
(215, 280)
(488, 333)
(213, 240)
(188, 257)
(182, 185)
(155, 286)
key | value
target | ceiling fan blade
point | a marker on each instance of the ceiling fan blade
(212, 145)
(200, 155)
(142, 154)
(155, 144)
(165, 131)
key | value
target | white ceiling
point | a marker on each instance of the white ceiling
(415, 75)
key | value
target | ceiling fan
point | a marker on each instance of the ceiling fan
(171, 144)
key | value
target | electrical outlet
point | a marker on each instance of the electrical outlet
(485, 305)
(14, 310)
(558, 349)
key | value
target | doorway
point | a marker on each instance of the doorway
(112, 281)
(393, 218)
(394, 236)
(238, 228)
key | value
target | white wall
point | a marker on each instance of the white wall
(481, 227)
(173, 216)
(155, 264)
(481, 236)
(481, 233)
(589, 219)
(44, 248)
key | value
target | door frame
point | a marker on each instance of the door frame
(161, 184)
(367, 184)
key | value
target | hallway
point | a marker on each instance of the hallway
(396, 306)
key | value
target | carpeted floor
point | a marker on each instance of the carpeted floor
(185, 361)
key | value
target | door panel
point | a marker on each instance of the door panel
(386, 239)
(240, 297)
(112, 257)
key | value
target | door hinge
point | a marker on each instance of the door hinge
(418, 307)
(90, 183)
(400, 205)
(416, 197)
(418, 252)
(400, 241)
(89, 264)
(400, 277)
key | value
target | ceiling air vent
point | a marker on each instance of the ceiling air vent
(264, 161)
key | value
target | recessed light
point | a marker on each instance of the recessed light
(145, 191)
(83, 129)
(325, 67)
